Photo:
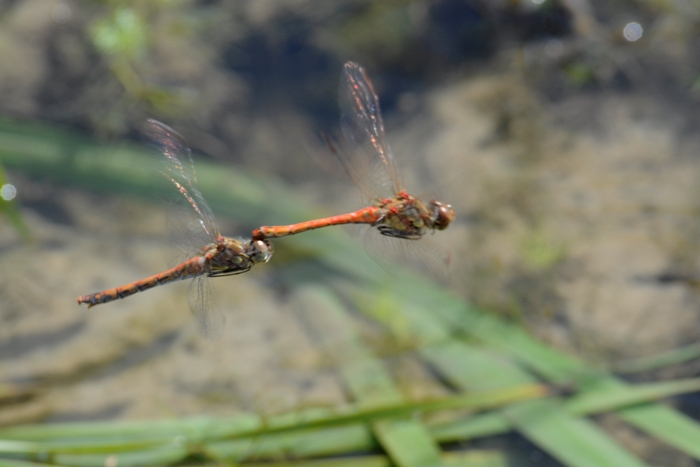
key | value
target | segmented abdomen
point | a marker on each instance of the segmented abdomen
(189, 268)
(368, 215)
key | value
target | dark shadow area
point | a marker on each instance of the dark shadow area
(18, 346)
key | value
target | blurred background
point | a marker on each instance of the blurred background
(563, 133)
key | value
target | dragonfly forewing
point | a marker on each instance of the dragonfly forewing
(190, 222)
(368, 152)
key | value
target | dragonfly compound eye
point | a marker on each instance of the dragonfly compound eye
(443, 214)
(261, 251)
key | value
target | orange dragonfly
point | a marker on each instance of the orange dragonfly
(201, 251)
(372, 166)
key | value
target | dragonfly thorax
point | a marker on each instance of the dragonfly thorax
(228, 256)
(408, 217)
(405, 217)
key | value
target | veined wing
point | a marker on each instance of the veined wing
(369, 161)
(205, 308)
(424, 257)
(191, 224)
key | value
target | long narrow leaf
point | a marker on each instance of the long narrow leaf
(407, 441)
(575, 441)
(450, 459)
(660, 421)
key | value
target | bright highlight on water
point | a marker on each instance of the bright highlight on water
(633, 31)
(8, 192)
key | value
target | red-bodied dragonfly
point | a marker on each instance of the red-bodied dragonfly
(372, 166)
(200, 250)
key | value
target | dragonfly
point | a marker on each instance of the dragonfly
(200, 251)
(371, 165)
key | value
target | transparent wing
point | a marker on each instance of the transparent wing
(191, 224)
(369, 159)
(423, 257)
(204, 308)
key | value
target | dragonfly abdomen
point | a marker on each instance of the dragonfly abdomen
(368, 215)
(189, 268)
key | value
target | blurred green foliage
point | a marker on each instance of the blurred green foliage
(121, 34)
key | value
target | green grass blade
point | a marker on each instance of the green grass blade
(306, 443)
(573, 440)
(77, 447)
(465, 428)
(584, 404)
(202, 430)
(20, 463)
(469, 367)
(663, 360)
(191, 428)
(663, 422)
(407, 441)
(363, 461)
(666, 424)
(472, 458)
(613, 398)
(163, 456)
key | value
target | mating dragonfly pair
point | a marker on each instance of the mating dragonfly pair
(206, 253)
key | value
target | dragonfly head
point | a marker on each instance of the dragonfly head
(442, 214)
(260, 251)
